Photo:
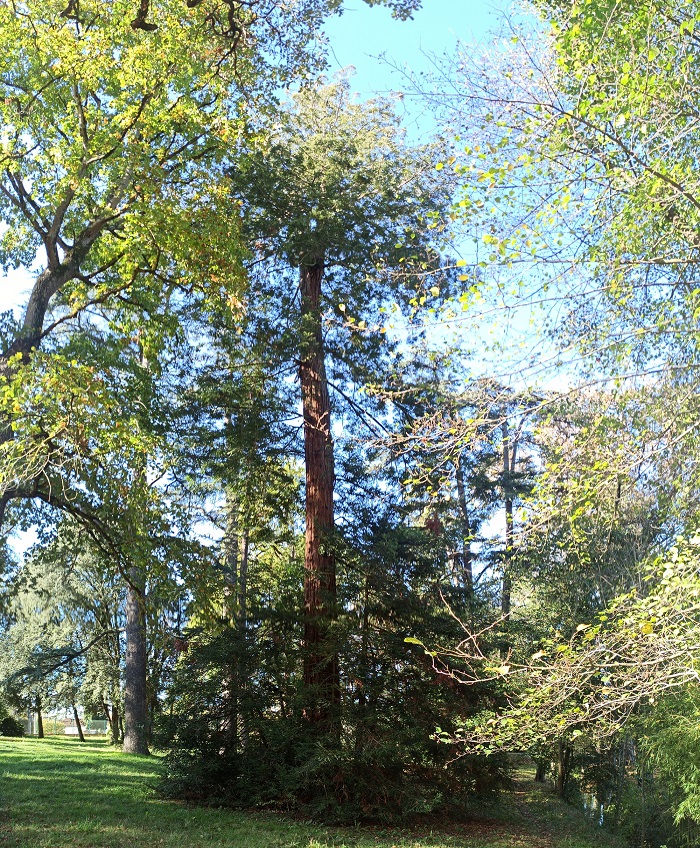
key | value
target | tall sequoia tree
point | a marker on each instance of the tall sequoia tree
(329, 188)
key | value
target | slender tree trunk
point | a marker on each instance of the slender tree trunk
(243, 629)
(466, 531)
(112, 621)
(363, 672)
(230, 556)
(115, 725)
(641, 781)
(135, 668)
(243, 581)
(230, 559)
(563, 766)
(510, 448)
(77, 723)
(75, 709)
(321, 675)
(39, 718)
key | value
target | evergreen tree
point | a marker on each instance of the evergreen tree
(331, 190)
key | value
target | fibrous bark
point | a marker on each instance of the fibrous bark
(321, 675)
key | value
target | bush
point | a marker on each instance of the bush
(327, 782)
(239, 751)
(9, 726)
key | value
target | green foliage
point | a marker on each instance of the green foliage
(668, 743)
(245, 741)
(174, 206)
(111, 150)
(281, 764)
(330, 179)
(564, 159)
(10, 726)
(564, 151)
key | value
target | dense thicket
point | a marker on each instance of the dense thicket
(580, 193)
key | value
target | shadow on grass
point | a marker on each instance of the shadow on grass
(60, 793)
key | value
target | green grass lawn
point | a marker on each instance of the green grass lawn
(59, 793)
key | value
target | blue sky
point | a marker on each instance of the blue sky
(358, 37)
(361, 34)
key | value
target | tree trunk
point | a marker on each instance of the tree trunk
(321, 675)
(236, 547)
(114, 724)
(109, 714)
(50, 281)
(243, 630)
(230, 559)
(563, 766)
(510, 447)
(136, 665)
(39, 718)
(135, 669)
(363, 672)
(243, 581)
(77, 723)
(466, 531)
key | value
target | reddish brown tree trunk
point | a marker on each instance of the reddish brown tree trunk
(321, 675)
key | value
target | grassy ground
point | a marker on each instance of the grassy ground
(59, 793)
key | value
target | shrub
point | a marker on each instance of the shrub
(240, 751)
(9, 726)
